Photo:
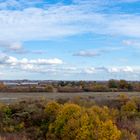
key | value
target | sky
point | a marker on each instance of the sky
(70, 39)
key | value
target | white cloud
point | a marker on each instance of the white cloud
(52, 65)
(111, 69)
(13, 61)
(64, 20)
(38, 51)
(104, 2)
(107, 1)
(1, 73)
(97, 52)
(128, 42)
(132, 43)
(85, 70)
(18, 4)
(126, 69)
(15, 46)
(18, 48)
(87, 53)
(90, 70)
(11, 45)
(128, 1)
(56, 67)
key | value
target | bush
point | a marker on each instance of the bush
(39, 120)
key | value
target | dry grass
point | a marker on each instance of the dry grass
(13, 137)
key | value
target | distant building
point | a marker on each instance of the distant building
(29, 83)
(11, 83)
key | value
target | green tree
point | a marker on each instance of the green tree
(112, 84)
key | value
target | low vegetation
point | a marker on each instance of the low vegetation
(72, 119)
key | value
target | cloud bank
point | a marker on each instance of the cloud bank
(60, 20)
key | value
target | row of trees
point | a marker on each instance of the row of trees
(39, 120)
(75, 86)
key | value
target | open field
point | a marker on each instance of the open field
(97, 96)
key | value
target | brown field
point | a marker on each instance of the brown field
(97, 96)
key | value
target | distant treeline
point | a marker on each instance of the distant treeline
(74, 86)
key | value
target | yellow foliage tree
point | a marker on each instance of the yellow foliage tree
(107, 131)
(84, 131)
(76, 123)
(66, 121)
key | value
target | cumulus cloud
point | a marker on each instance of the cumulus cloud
(13, 61)
(52, 65)
(40, 64)
(57, 67)
(91, 70)
(106, 73)
(121, 69)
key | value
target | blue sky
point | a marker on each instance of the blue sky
(70, 39)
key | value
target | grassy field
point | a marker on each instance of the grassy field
(97, 96)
